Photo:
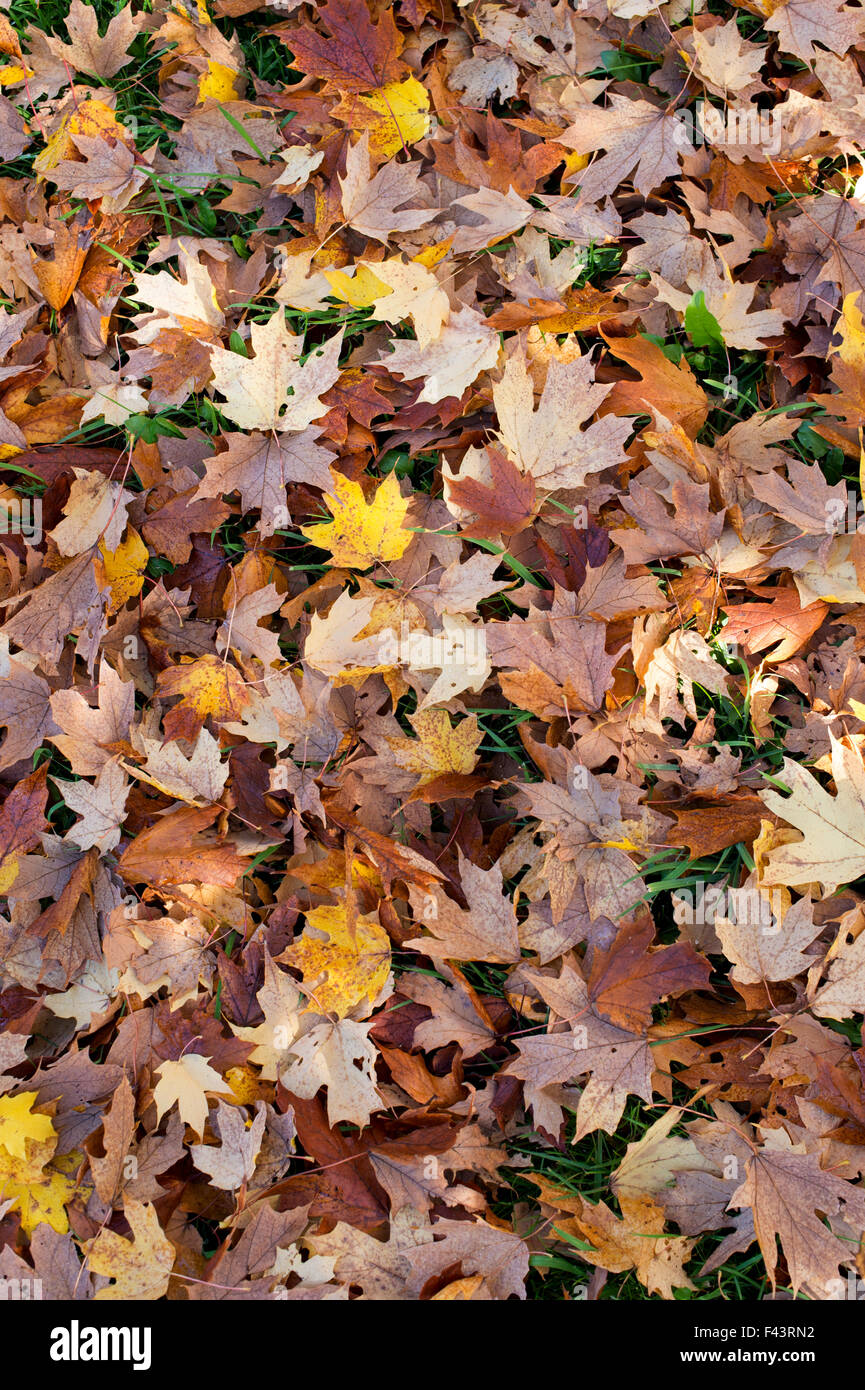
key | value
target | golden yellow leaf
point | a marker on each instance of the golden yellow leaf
(218, 83)
(440, 746)
(395, 115)
(359, 290)
(247, 1086)
(327, 875)
(94, 118)
(41, 1192)
(27, 1141)
(209, 688)
(341, 970)
(140, 1267)
(18, 1125)
(363, 532)
(585, 309)
(430, 256)
(851, 329)
(573, 164)
(8, 872)
(13, 73)
(122, 570)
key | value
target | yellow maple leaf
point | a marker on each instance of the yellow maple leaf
(18, 1125)
(585, 309)
(573, 164)
(395, 115)
(327, 875)
(27, 1142)
(341, 970)
(141, 1267)
(122, 570)
(209, 688)
(94, 118)
(247, 1086)
(851, 330)
(359, 290)
(9, 870)
(218, 83)
(363, 532)
(40, 1192)
(431, 256)
(14, 72)
(440, 746)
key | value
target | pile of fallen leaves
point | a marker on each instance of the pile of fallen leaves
(433, 804)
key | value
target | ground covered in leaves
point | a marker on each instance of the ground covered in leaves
(433, 807)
